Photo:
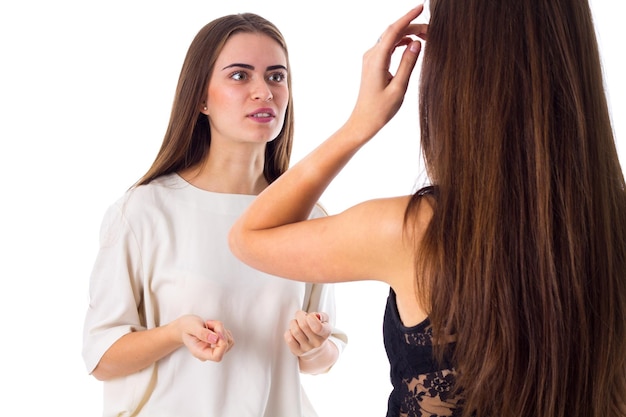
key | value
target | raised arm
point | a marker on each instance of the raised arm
(273, 236)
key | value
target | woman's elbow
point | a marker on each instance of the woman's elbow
(236, 240)
(101, 374)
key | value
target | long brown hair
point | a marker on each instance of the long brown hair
(188, 134)
(524, 262)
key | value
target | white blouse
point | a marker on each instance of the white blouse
(163, 254)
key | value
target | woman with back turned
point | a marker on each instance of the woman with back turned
(507, 272)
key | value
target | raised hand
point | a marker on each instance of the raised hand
(381, 93)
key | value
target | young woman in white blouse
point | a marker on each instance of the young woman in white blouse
(168, 300)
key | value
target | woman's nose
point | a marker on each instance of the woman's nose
(262, 91)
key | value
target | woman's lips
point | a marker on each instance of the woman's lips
(262, 115)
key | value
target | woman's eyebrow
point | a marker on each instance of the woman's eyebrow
(246, 66)
(275, 67)
(251, 67)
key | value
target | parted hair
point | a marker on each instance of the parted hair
(524, 261)
(188, 136)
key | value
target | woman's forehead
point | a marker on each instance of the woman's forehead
(252, 46)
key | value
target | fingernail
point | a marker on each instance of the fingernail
(213, 338)
(415, 46)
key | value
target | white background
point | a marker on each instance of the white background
(85, 94)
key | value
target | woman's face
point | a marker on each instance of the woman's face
(248, 93)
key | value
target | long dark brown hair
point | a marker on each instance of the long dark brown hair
(524, 262)
(188, 134)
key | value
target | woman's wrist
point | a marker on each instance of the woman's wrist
(315, 352)
(320, 359)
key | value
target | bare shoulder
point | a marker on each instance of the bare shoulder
(389, 207)
(391, 216)
(389, 236)
(382, 217)
(399, 233)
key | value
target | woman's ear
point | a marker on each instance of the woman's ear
(203, 108)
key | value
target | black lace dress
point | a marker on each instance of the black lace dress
(421, 386)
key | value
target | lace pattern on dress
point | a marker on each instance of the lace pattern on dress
(430, 395)
(423, 386)
(424, 338)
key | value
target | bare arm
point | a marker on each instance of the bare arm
(329, 249)
(206, 340)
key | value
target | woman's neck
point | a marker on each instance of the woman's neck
(228, 172)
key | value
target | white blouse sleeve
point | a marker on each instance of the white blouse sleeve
(115, 288)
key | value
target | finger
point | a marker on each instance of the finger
(224, 344)
(216, 326)
(418, 29)
(301, 319)
(292, 343)
(230, 340)
(318, 325)
(209, 336)
(217, 353)
(206, 352)
(312, 324)
(407, 64)
(201, 333)
(396, 30)
(297, 347)
(323, 317)
(316, 330)
(298, 333)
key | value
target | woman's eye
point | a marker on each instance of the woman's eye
(239, 76)
(277, 77)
